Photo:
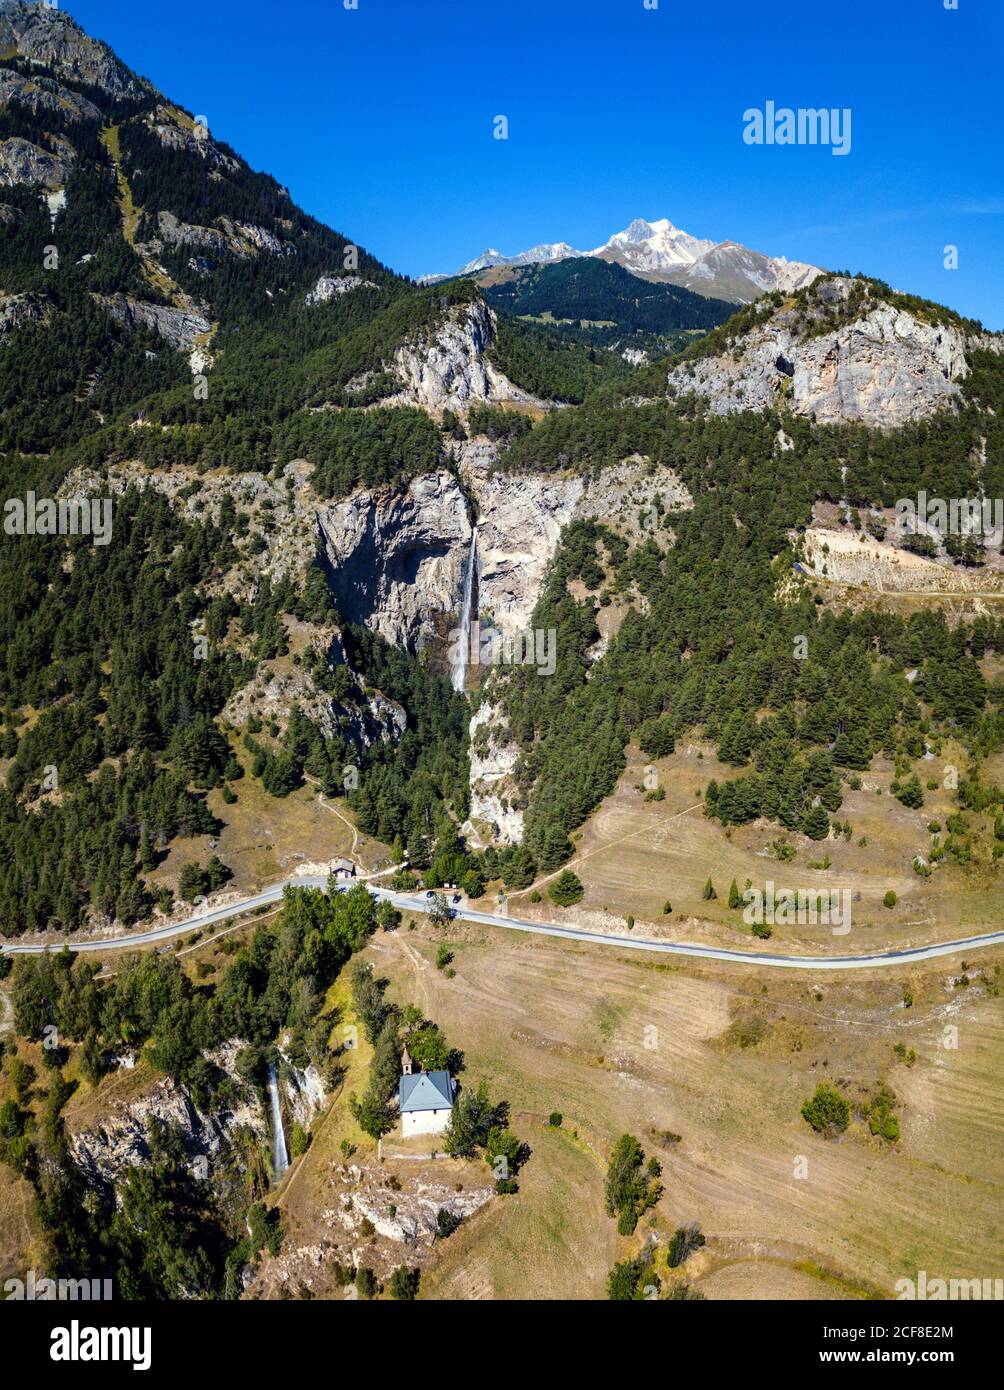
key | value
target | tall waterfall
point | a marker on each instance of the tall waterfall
(280, 1157)
(463, 657)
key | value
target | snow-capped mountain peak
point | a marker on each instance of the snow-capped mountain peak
(653, 246)
(661, 251)
(537, 255)
(484, 262)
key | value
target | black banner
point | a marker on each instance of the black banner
(76, 1340)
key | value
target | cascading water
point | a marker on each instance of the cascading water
(280, 1157)
(463, 653)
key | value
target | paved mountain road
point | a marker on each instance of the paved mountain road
(410, 902)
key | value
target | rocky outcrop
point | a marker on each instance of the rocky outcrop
(42, 94)
(172, 232)
(250, 239)
(19, 309)
(360, 717)
(243, 239)
(331, 287)
(493, 791)
(397, 556)
(850, 557)
(521, 517)
(122, 1139)
(21, 162)
(447, 367)
(883, 368)
(177, 131)
(411, 1216)
(304, 1093)
(520, 520)
(49, 37)
(282, 535)
(178, 327)
(285, 523)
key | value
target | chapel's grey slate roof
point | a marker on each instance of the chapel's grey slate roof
(429, 1090)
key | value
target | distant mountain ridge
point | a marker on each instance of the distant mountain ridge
(661, 251)
(598, 302)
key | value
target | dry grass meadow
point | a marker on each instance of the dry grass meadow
(633, 855)
(722, 1059)
(707, 1064)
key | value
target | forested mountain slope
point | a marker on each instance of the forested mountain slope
(294, 436)
(600, 302)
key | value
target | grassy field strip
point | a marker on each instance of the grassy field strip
(580, 858)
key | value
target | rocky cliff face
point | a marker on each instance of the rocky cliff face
(52, 39)
(19, 309)
(520, 520)
(177, 131)
(850, 557)
(397, 556)
(241, 239)
(42, 94)
(180, 328)
(285, 526)
(122, 1139)
(883, 368)
(494, 795)
(303, 1093)
(521, 517)
(330, 287)
(448, 368)
(22, 162)
(364, 718)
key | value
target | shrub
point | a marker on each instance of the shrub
(890, 899)
(684, 1240)
(404, 1283)
(910, 793)
(566, 889)
(446, 1223)
(827, 1112)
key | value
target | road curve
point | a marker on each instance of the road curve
(414, 902)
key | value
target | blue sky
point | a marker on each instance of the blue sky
(379, 120)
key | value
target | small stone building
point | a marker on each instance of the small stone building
(425, 1099)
